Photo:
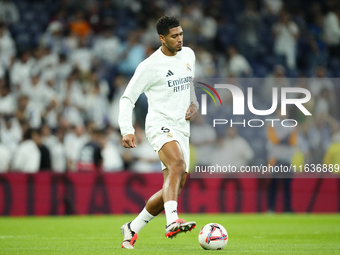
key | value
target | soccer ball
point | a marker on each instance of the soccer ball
(213, 236)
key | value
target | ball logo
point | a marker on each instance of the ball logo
(211, 237)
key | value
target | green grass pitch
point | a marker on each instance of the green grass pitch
(248, 234)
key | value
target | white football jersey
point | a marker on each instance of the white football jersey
(167, 82)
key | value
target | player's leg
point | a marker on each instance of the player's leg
(155, 204)
(172, 157)
(130, 230)
(153, 207)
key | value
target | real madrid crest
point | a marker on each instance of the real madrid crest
(169, 135)
(188, 67)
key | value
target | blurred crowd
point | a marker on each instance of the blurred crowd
(65, 64)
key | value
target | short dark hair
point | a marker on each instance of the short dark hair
(165, 23)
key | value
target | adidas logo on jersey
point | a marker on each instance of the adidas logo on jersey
(169, 73)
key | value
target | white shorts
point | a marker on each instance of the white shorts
(160, 137)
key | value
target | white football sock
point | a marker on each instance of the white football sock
(141, 220)
(170, 208)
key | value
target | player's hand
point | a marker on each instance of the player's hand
(129, 141)
(191, 113)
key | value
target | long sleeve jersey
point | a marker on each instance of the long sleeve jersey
(167, 82)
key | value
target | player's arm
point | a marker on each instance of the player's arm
(129, 141)
(136, 86)
(191, 112)
(125, 122)
(194, 106)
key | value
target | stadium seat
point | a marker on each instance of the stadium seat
(38, 7)
(43, 19)
(36, 28)
(16, 29)
(23, 40)
(22, 6)
(28, 16)
(260, 70)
